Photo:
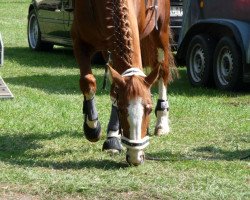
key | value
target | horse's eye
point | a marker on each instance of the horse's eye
(148, 109)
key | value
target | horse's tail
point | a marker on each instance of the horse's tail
(172, 68)
(152, 56)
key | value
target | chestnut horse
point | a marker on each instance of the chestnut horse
(133, 31)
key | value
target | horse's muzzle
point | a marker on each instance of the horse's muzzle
(135, 157)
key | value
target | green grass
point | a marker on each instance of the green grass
(43, 154)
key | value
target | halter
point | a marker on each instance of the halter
(134, 144)
(133, 72)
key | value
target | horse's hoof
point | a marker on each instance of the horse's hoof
(112, 145)
(160, 131)
(93, 135)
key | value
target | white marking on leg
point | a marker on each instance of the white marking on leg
(113, 134)
(162, 90)
(135, 112)
(162, 123)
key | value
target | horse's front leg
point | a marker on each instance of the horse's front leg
(162, 110)
(91, 126)
(113, 141)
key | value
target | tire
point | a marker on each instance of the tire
(34, 34)
(227, 65)
(199, 60)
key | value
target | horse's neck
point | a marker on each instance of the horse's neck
(126, 49)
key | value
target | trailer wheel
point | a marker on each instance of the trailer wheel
(34, 34)
(227, 64)
(199, 60)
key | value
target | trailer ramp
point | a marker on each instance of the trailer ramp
(5, 92)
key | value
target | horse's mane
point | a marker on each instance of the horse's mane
(121, 38)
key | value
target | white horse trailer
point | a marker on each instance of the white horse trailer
(214, 42)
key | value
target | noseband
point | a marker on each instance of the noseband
(135, 144)
(141, 143)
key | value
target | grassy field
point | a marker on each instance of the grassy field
(43, 154)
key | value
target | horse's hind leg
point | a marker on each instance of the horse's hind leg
(165, 59)
(155, 48)
(162, 109)
(91, 126)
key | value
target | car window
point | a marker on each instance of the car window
(68, 4)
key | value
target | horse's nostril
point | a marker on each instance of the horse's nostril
(142, 158)
(127, 159)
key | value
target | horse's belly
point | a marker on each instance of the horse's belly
(90, 24)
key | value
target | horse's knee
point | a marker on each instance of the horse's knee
(88, 85)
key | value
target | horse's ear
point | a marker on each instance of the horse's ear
(116, 77)
(152, 77)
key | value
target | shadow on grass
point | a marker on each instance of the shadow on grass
(21, 150)
(67, 84)
(14, 149)
(27, 58)
(63, 58)
(218, 153)
(204, 153)
(60, 84)
(58, 57)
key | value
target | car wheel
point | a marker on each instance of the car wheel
(34, 34)
(227, 64)
(199, 60)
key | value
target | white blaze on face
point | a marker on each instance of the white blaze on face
(135, 112)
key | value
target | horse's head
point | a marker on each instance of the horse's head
(132, 92)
